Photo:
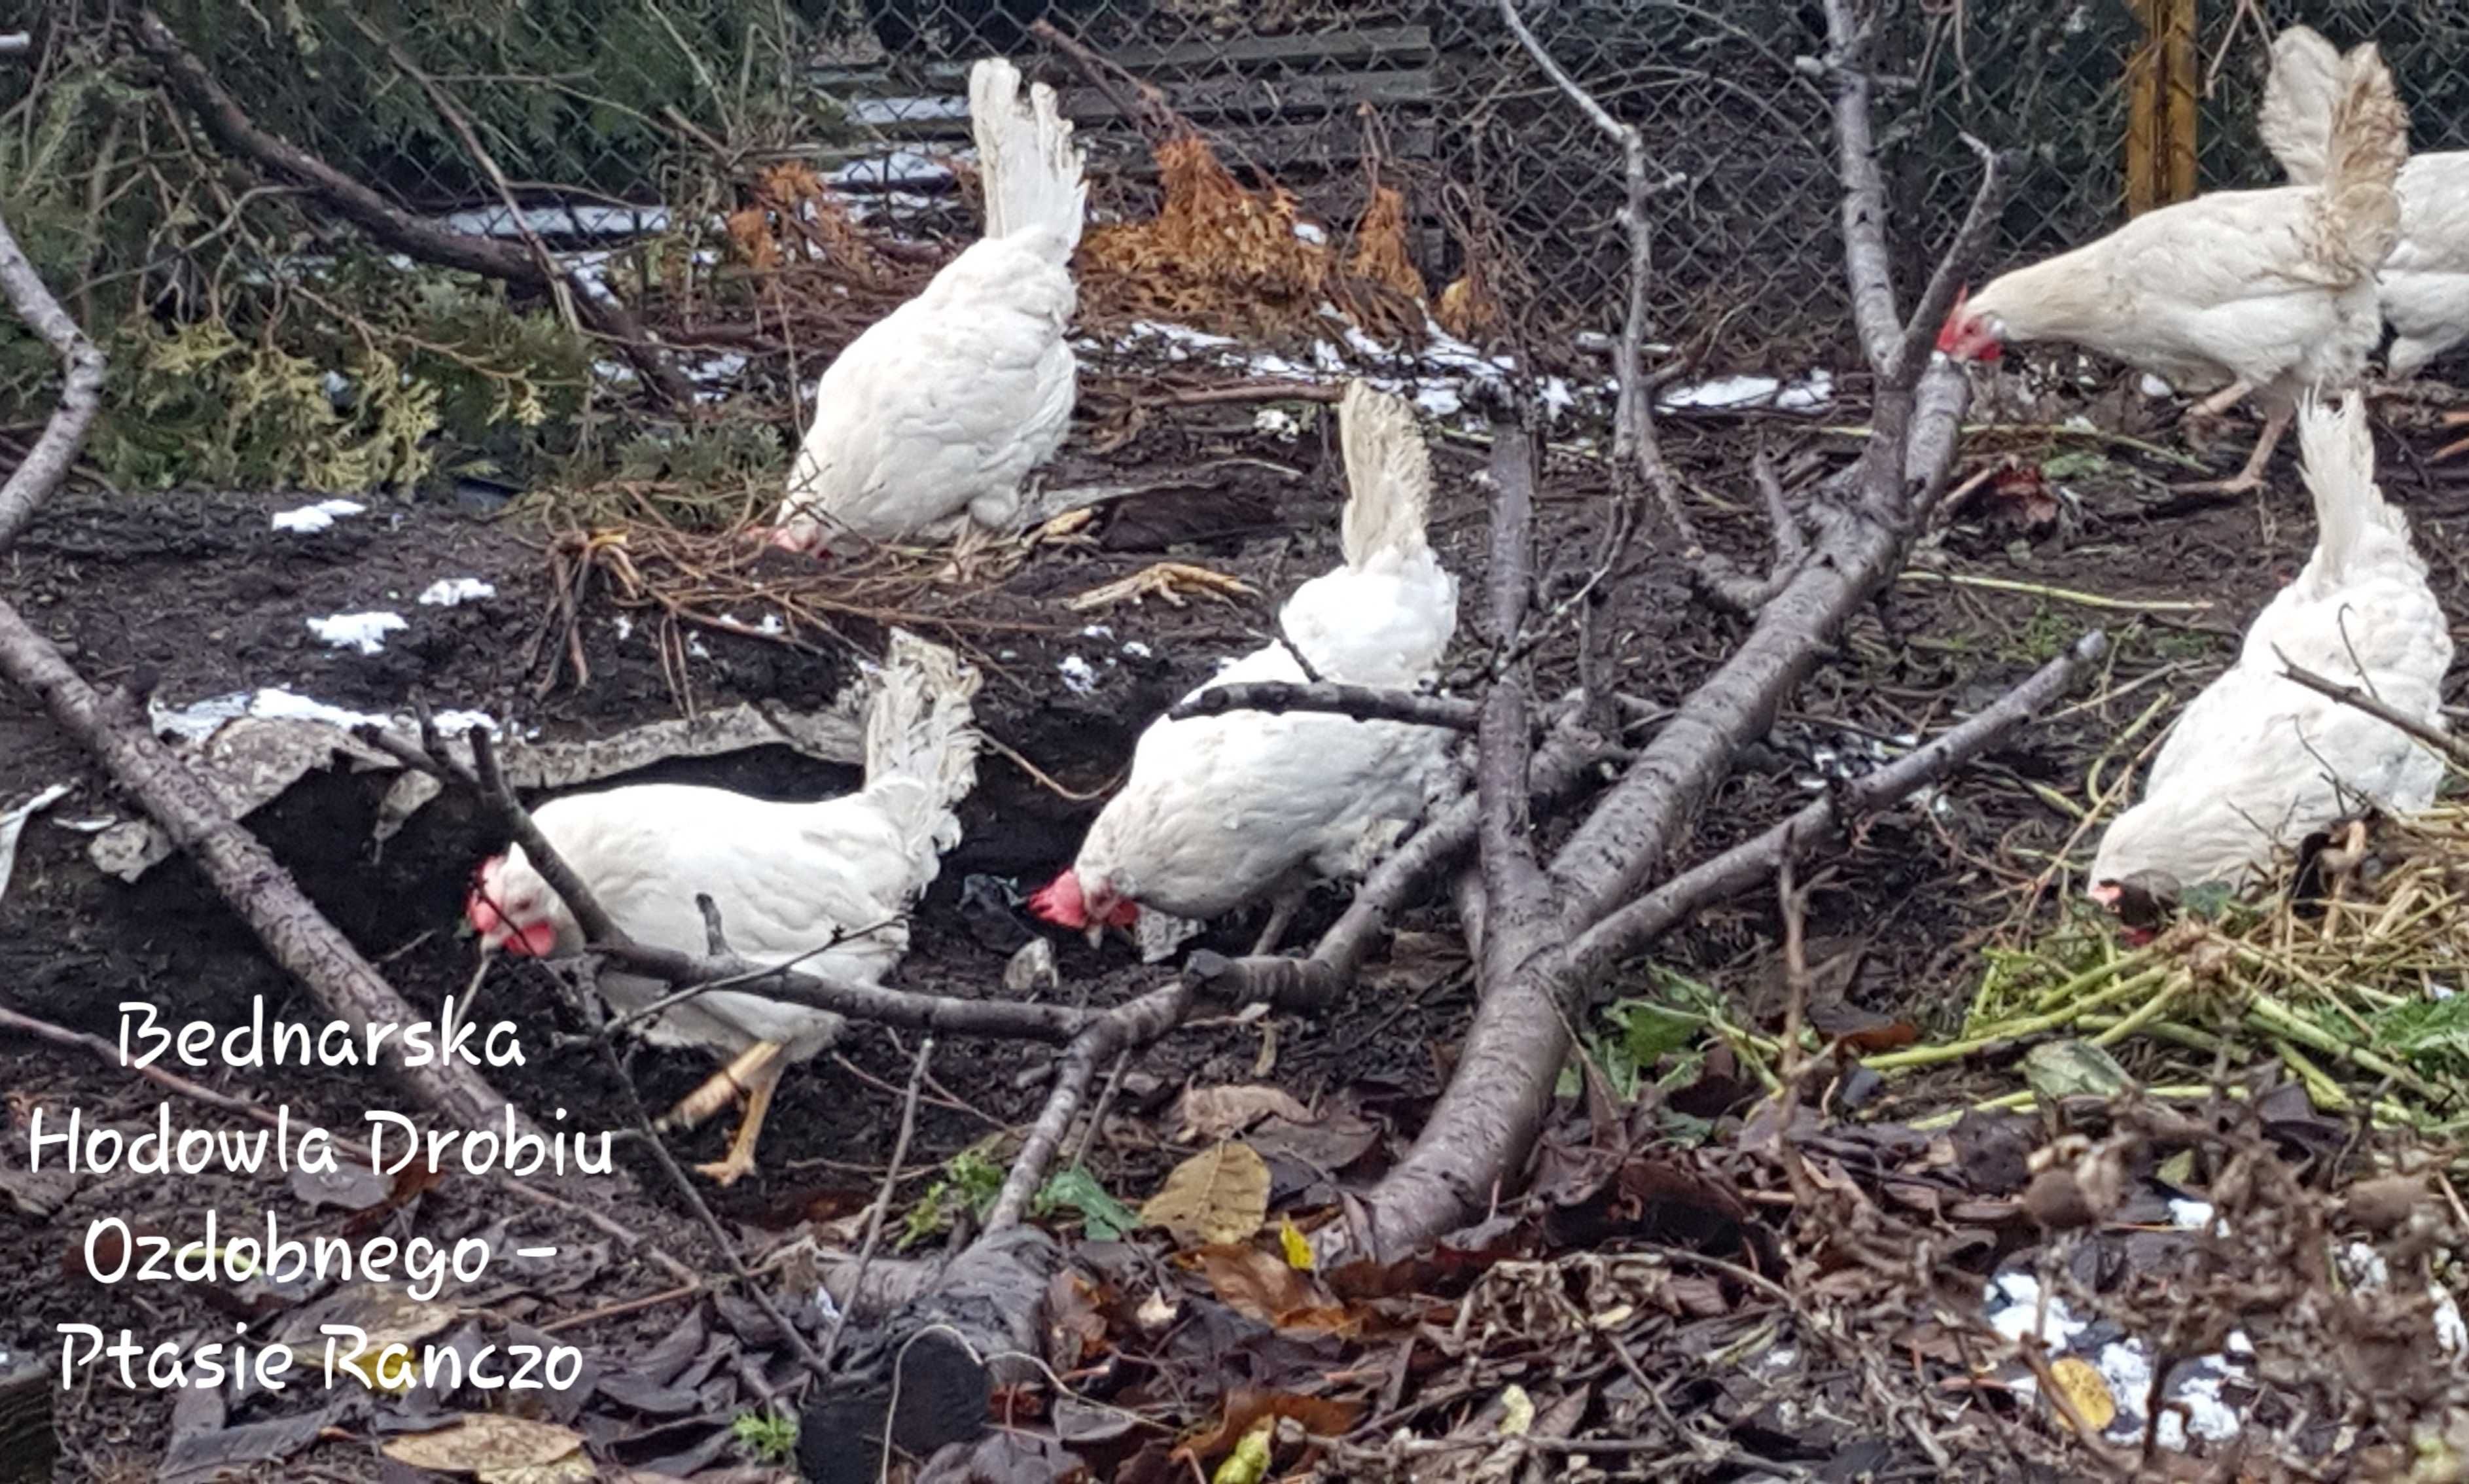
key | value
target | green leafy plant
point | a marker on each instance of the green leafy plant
(765, 1437)
(969, 1182)
(1102, 1218)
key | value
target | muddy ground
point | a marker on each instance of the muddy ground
(200, 596)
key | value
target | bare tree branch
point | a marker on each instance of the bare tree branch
(2359, 698)
(236, 132)
(1752, 862)
(47, 463)
(1867, 266)
(1937, 300)
(1636, 451)
(1363, 703)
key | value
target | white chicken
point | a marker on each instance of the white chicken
(837, 875)
(1222, 811)
(930, 421)
(2424, 285)
(2257, 761)
(2261, 293)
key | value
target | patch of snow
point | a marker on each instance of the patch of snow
(1439, 399)
(2450, 1331)
(1137, 650)
(199, 720)
(364, 632)
(624, 624)
(2022, 1310)
(903, 165)
(1809, 393)
(1097, 631)
(2189, 1216)
(572, 220)
(727, 366)
(317, 517)
(446, 592)
(1079, 676)
(2152, 385)
(1311, 232)
(694, 647)
(2203, 1413)
(1555, 397)
(1278, 422)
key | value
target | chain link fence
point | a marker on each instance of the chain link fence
(660, 122)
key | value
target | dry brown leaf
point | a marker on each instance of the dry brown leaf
(1219, 1194)
(1263, 1285)
(501, 1449)
(1323, 1417)
(1214, 1113)
(1075, 1330)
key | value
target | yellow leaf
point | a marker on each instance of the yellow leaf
(1249, 1463)
(1519, 1410)
(2081, 1380)
(1220, 1194)
(501, 1449)
(1297, 1247)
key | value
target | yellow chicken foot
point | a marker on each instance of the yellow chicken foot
(723, 1087)
(2222, 400)
(2250, 477)
(1168, 580)
(2454, 419)
(739, 1162)
(1281, 915)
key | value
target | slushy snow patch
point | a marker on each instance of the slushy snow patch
(364, 632)
(317, 517)
(446, 592)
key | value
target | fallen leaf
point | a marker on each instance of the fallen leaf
(1220, 1194)
(1260, 1286)
(1296, 1246)
(1865, 1031)
(1249, 1463)
(499, 1448)
(1517, 1410)
(1247, 1408)
(1075, 1330)
(2058, 1069)
(350, 1187)
(1212, 1114)
(2080, 1382)
(388, 1318)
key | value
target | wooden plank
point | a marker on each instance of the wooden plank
(1376, 45)
(1369, 41)
(1220, 98)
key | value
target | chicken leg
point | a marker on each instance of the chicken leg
(753, 1074)
(2274, 423)
(1282, 908)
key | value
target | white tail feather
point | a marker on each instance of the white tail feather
(2295, 115)
(1031, 171)
(921, 740)
(2339, 453)
(1388, 474)
(2365, 147)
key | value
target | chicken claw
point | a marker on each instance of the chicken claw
(1168, 580)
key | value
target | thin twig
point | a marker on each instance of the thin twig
(2359, 698)
(1363, 703)
(883, 1198)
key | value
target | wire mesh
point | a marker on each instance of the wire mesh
(630, 115)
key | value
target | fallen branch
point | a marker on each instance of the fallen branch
(1363, 703)
(1128, 1027)
(1755, 861)
(232, 128)
(1858, 531)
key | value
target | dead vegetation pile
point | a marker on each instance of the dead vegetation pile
(2346, 973)
(1229, 259)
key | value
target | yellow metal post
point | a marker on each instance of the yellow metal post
(2164, 83)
